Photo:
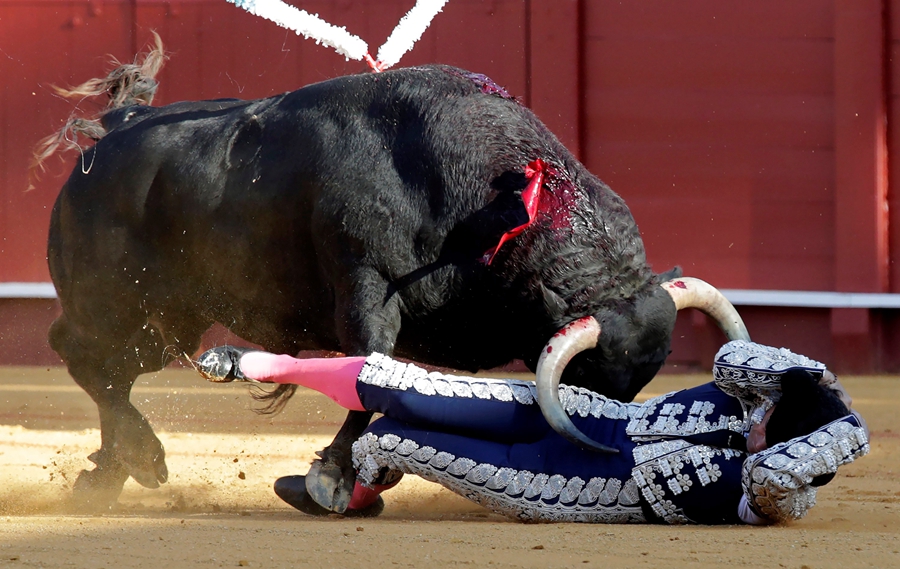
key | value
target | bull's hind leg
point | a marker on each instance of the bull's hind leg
(106, 369)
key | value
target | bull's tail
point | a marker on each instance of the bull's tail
(274, 400)
(128, 84)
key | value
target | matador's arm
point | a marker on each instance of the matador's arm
(780, 483)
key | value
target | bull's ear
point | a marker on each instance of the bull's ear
(554, 305)
(673, 273)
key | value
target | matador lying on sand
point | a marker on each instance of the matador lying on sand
(752, 446)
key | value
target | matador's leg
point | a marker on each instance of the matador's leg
(546, 480)
(498, 409)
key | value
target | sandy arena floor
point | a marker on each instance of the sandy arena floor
(218, 509)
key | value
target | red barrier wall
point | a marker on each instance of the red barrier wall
(752, 140)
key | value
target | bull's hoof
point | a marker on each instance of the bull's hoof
(139, 451)
(292, 489)
(150, 478)
(146, 463)
(222, 364)
(330, 486)
(98, 490)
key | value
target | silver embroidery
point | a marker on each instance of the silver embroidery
(703, 476)
(441, 460)
(522, 394)
(629, 495)
(424, 454)
(647, 452)
(406, 447)
(388, 442)
(591, 492)
(501, 391)
(442, 387)
(536, 486)
(553, 487)
(572, 491)
(583, 405)
(501, 479)
(523, 495)
(777, 480)
(481, 473)
(395, 379)
(460, 466)
(424, 385)
(382, 371)
(671, 421)
(611, 492)
(752, 372)
(371, 465)
(461, 389)
(659, 475)
(481, 390)
(519, 483)
(799, 450)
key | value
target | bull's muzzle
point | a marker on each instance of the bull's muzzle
(583, 334)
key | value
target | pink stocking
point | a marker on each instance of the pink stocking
(363, 496)
(334, 377)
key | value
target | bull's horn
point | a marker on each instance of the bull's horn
(573, 338)
(688, 292)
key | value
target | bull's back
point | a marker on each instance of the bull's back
(255, 209)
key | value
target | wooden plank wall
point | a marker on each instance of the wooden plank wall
(752, 140)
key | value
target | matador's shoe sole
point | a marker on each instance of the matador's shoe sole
(292, 489)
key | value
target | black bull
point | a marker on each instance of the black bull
(351, 215)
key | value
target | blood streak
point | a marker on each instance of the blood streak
(558, 202)
(487, 85)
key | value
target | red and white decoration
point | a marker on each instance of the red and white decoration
(405, 35)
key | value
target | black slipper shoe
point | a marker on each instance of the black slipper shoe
(221, 364)
(292, 489)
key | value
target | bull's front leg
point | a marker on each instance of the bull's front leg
(330, 481)
(368, 320)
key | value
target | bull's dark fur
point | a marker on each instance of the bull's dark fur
(349, 215)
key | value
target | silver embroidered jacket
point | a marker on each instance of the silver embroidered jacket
(679, 479)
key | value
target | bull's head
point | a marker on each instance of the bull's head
(629, 355)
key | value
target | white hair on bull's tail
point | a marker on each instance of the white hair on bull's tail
(128, 84)
(408, 31)
(307, 25)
